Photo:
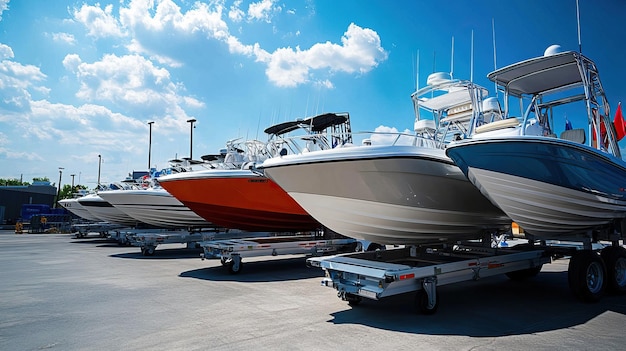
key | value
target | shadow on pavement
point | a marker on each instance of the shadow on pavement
(161, 254)
(491, 307)
(259, 271)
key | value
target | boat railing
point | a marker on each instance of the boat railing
(393, 138)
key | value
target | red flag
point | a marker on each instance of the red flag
(618, 121)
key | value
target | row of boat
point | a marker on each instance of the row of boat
(470, 169)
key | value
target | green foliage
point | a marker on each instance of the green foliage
(67, 192)
(11, 181)
(17, 182)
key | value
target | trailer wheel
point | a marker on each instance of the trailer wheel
(422, 304)
(224, 261)
(235, 265)
(147, 251)
(374, 247)
(586, 276)
(615, 260)
(353, 300)
(524, 274)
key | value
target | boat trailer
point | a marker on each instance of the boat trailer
(231, 251)
(382, 273)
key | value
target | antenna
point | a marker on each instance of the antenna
(472, 58)
(495, 66)
(580, 46)
(452, 60)
(417, 74)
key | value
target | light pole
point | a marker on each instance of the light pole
(191, 122)
(59, 190)
(99, 163)
(72, 175)
(150, 145)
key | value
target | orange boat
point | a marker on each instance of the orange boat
(245, 199)
(239, 199)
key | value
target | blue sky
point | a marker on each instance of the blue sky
(80, 79)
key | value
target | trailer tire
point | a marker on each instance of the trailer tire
(234, 269)
(353, 300)
(524, 274)
(374, 247)
(586, 276)
(615, 260)
(147, 251)
(421, 303)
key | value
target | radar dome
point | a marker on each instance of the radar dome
(438, 78)
(552, 50)
(491, 104)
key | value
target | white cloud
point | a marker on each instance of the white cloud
(99, 23)
(136, 47)
(135, 85)
(5, 52)
(384, 135)
(263, 10)
(360, 51)
(16, 82)
(64, 37)
(325, 83)
(4, 5)
(235, 13)
(167, 16)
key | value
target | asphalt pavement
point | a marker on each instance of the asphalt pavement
(62, 293)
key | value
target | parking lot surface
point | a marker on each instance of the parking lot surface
(62, 293)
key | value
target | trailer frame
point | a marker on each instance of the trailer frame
(232, 251)
(148, 240)
(421, 269)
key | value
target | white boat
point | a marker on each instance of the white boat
(566, 187)
(77, 209)
(104, 211)
(397, 194)
(154, 206)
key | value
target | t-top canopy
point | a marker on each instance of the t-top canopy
(540, 74)
(452, 93)
(316, 123)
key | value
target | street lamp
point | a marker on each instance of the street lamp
(72, 175)
(191, 122)
(150, 145)
(99, 163)
(59, 190)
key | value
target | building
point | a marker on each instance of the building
(13, 197)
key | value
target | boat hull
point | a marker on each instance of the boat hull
(388, 195)
(552, 188)
(239, 199)
(79, 210)
(104, 211)
(155, 207)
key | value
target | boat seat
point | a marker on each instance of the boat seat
(501, 124)
(575, 135)
(424, 126)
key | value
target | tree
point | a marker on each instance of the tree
(67, 192)
(10, 181)
(17, 182)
